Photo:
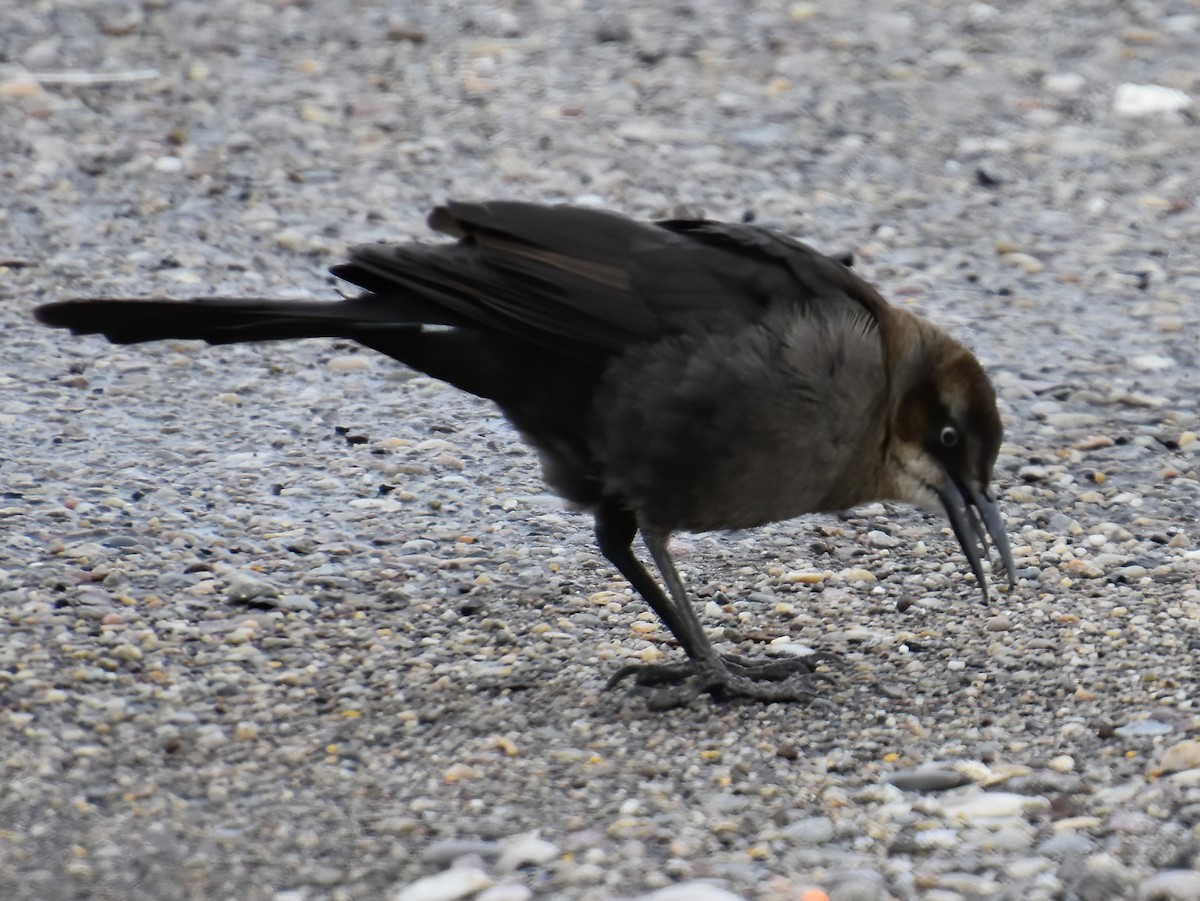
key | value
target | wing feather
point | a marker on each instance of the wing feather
(600, 281)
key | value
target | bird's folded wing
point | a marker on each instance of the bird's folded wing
(595, 278)
(811, 279)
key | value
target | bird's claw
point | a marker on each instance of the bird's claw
(770, 679)
(778, 669)
(647, 675)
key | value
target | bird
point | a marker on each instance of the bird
(678, 375)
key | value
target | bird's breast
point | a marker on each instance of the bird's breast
(730, 431)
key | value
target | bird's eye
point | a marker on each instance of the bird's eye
(949, 436)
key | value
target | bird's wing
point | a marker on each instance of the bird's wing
(799, 274)
(554, 274)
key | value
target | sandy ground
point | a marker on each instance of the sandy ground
(292, 623)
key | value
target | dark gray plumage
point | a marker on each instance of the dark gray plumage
(672, 375)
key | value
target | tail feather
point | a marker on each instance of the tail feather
(231, 320)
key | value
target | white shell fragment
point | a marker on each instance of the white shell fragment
(1148, 100)
(448, 886)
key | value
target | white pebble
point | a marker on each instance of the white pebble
(882, 539)
(1183, 756)
(993, 805)
(858, 575)
(1143, 728)
(512, 891)
(810, 831)
(1184, 23)
(243, 587)
(525, 850)
(1148, 100)
(1063, 763)
(1172, 885)
(448, 886)
(982, 12)
(292, 239)
(210, 736)
(1063, 83)
(1152, 362)
(691, 891)
(349, 363)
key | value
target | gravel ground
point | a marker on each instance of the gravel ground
(292, 623)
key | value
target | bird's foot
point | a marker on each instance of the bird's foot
(763, 679)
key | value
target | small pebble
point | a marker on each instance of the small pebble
(524, 850)
(512, 891)
(1063, 83)
(349, 363)
(809, 831)
(691, 891)
(445, 852)
(1144, 728)
(882, 539)
(243, 587)
(928, 779)
(993, 805)
(1148, 100)
(1171, 885)
(1182, 756)
(447, 886)
(1063, 763)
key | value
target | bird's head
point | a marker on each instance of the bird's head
(944, 436)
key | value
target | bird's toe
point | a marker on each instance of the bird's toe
(778, 669)
(788, 679)
(651, 674)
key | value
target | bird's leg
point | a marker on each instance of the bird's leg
(615, 531)
(728, 676)
(656, 543)
(705, 671)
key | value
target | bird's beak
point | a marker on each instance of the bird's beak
(975, 518)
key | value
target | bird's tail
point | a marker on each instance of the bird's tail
(232, 320)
